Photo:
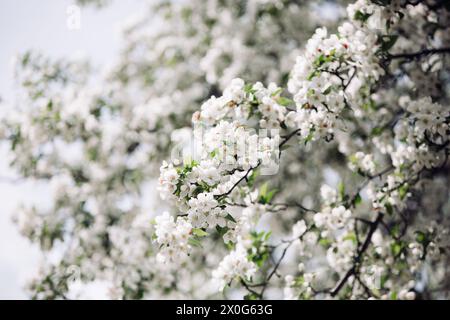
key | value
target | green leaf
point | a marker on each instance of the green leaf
(376, 131)
(312, 75)
(388, 41)
(360, 16)
(351, 236)
(420, 237)
(357, 200)
(394, 295)
(263, 190)
(403, 191)
(284, 101)
(26, 58)
(248, 88)
(230, 217)
(395, 231)
(389, 208)
(327, 90)
(300, 280)
(277, 92)
(310, 136)
(397, 247)
(325, 242)
(194, 242)
(270, 195)
(92, 153)
(15, 138)
(221, 230)
(252, 178)
(199, 232)
(251, 296)
(50, 105)
(341, 190)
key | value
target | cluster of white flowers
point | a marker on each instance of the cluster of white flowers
(240, 101)
(322, 74)
(363, 163)
(298, 287)
(393, 192)
(240, 231)
(341, 253)
(299, 229)
(332, 218)
(172, 237)
(234, 265)
(367, 14)
(328, 195)
(425, 127)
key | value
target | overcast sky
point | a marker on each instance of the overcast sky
(42, 25)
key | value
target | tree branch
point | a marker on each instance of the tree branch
(360, 252)
(419, 54)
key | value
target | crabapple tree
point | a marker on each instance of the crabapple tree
(300, 156)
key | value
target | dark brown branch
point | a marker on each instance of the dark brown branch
(249, 289)
(419, 54)
(244, 177)
(286, 139)
(360, 253)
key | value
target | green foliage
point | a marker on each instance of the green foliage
(310, 136)
(403, 191)
(251, 179)
(376, 131)
(341, 190)
(320, 61)
(251, 296)
(259, 252)
(351, 236)
(357, 199)
(194, 241)
(398, 247)
(221, 230)
(199, 232)
(325, 242)
(265, 195)
(360, 16)
(389, 208)
(285, 102)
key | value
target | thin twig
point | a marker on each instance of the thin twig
(360, 252)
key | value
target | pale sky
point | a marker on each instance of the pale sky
(41, 25)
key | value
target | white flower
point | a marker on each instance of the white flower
(328, 194)
(299, 229)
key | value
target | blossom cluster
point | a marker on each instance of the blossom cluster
(172, 237)
(322, 73)
(235, 264)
